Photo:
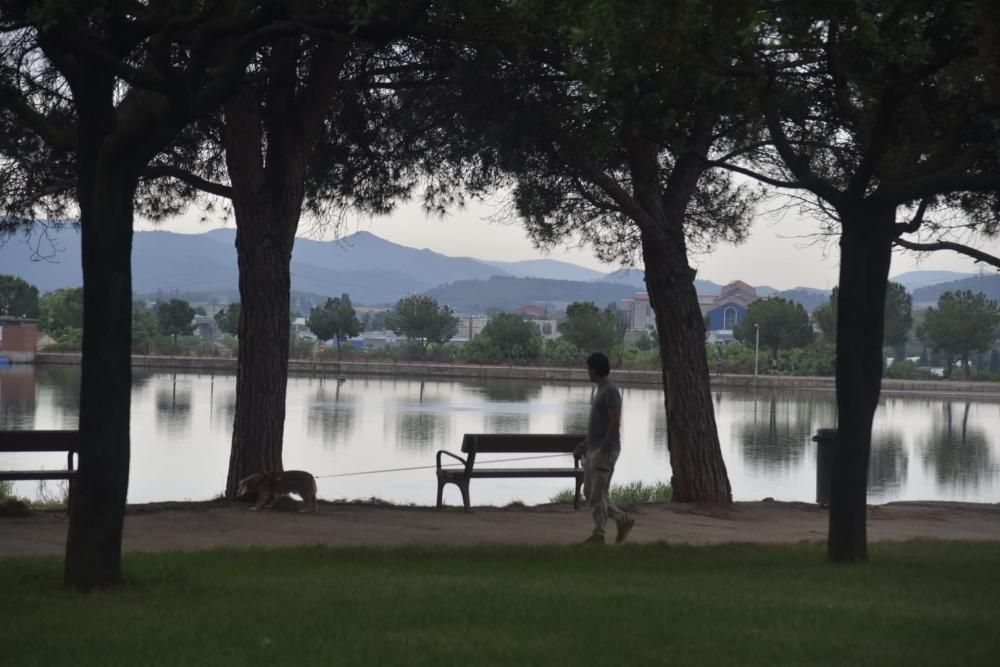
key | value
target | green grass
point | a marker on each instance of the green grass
(629, 493)
(920, 603)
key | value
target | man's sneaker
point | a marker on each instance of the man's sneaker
(624, 528)
(594, 539)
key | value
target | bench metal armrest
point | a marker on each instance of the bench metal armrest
(447, 453)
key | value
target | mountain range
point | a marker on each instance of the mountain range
(375, 271)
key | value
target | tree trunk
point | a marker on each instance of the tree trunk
(264, 254)
(105, 190)
(267, 201)
(699, 472)
(866, 252)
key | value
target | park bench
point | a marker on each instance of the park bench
(17, 442)
(473, 444)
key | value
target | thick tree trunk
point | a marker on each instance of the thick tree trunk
(267, 200)
(264, 257)
(866, 252)
(106, 190)
(699, 472)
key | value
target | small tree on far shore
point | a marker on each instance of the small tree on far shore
(964, 322)
(228, 319)
(418, 318)
(783, 324)
(335, 319)
(174, 318)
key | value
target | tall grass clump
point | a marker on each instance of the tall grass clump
(628, 493)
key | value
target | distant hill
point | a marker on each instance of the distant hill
(372, 270)
(508, 293)
(547, 268)
(913, 280)
(809, 297)
(988, 284)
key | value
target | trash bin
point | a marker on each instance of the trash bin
(826, 440)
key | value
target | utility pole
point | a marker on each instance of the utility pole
(756, 348)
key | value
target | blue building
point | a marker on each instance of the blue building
(728, 310)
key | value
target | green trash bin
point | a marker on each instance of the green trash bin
(826, 440)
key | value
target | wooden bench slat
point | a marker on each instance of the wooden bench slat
(39, 441)
(526, 472)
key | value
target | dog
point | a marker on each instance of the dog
(271, 486)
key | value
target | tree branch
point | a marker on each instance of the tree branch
(169, 171)
(977, 255)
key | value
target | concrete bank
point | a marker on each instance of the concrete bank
(434, 371)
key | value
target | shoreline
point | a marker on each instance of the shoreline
(439, 371)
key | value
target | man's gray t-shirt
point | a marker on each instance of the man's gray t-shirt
(607, 397)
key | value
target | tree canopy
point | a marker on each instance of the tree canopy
(963, 322)
(18, 298)
(515, 337)
(174, 318)
(898, 316)
(782, 324)
(588, 328)
(61, 309)
(335, 319)
(228, 318)
(418, 318)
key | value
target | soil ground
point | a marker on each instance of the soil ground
(207, 525)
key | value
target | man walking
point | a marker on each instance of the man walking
(601, 449)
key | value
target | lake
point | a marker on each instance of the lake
(923, 448)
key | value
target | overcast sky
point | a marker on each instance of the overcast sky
(780, 253)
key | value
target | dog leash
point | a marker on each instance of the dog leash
(449, 465)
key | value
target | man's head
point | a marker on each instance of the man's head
(598, 366)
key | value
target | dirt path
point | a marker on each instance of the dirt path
(191, 526)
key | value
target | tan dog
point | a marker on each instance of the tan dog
(270, 486)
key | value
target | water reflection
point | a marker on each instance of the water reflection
(331, 412)
(957, 450)
(922, 448)
(62, 384)
(509, 391)
(173, 404)
(421, 429)
(888, 464)
(17, 397)
(778, 434)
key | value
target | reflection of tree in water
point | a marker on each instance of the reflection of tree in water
(960, 453)
(17, 397)
(331, 411)
(421, 429)
(575, 419)
(510, 391)
(506, 422)
(173, 404)
(887, 465)
(775, 437)
(659, 426)
(224, 406)
(63, 382)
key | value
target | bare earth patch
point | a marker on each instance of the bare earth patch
(206, 525)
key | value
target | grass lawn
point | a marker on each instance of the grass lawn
(919, 603)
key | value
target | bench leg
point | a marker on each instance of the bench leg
(465, 495)
(440, 493)
(576, 498)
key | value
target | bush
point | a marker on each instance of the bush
(560, 352)
(904, 369)
(629, 493)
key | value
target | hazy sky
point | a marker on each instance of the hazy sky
(780, 253)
